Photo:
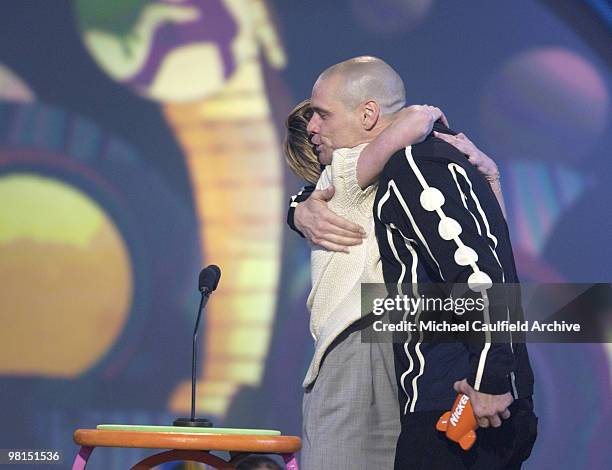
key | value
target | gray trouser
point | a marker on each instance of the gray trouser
(351, 416)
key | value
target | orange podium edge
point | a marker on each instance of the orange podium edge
(187, 446)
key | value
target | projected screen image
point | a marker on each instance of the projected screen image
(141, 141)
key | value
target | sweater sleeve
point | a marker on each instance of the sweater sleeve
(344, 168)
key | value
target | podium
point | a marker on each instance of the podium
(188, 446)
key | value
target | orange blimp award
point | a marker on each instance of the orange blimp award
(459, 423)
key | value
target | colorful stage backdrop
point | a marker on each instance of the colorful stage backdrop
(140, 141)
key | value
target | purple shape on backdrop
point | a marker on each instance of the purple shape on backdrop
(214, 23)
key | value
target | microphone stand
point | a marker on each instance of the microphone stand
(194, 422)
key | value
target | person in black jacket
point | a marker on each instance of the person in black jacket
(437, 221)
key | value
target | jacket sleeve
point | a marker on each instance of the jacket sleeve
(437, 203)
(301, 196)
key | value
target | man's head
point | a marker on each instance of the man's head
(352, 102)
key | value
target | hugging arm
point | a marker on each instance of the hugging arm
(483, 163)
(310, 217)
(410, 126)
(296, 199)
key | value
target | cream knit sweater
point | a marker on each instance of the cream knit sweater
(335, 299)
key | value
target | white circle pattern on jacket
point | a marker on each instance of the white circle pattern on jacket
(465, 256)
(479, 281)
(431, 199)
(449, 228)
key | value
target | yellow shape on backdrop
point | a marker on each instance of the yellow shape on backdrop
(234, 160)
(207, 73)
(66, 279)
(32, 206)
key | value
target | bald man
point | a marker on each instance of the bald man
(421, 189)
(350, 407)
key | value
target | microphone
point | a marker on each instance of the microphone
(209, 279)
(207, 283)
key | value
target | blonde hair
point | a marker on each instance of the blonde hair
(299, 153)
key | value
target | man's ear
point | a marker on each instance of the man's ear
(370, 114)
